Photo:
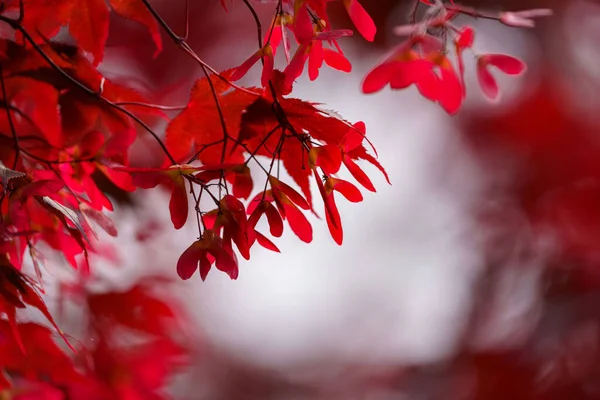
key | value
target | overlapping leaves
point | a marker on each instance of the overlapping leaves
(63, 124)
(246, 128)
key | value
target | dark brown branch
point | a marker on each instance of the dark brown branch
(11, 123)
(257, 21)
(275, 157)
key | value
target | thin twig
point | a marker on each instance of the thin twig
(181, 43)
(257, 21)
(148, 105)
(413, 14)
(10, 120)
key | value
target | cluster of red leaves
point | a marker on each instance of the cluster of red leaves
(285, 130)
(425, 58)
(310, 26)
(87, 21)
(64, 127)
(130, 352)
(56, 139)
(134, 346)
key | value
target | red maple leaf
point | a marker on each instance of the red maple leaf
(138, 308)
(200, 127)
(129, 372)
(42, 360)
(88, 20)
(16, 291)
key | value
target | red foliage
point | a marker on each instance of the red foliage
(552, 153)
(64, 127)
(557, 155)
(424, 59)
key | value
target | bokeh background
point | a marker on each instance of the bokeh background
(473, 276)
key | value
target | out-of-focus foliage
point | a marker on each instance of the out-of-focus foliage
(66, 134)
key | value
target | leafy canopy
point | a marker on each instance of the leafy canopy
(65, 128)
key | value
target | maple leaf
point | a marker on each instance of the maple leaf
(93, 154)
(140, 371)
(87, 20)
(19, 197)
(43, 17)
(138, 12)
(16, 291)
(200, 124)
(34, 204)
(77, 111)
(120, 369)
(138, 309)
(344, 142)
(43, 360)
(260, 121)
(88, 24)
(35, 109)
(557, 157)
(90, 111)
(293, 154)
(352, 149)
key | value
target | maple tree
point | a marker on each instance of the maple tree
(65, 127)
